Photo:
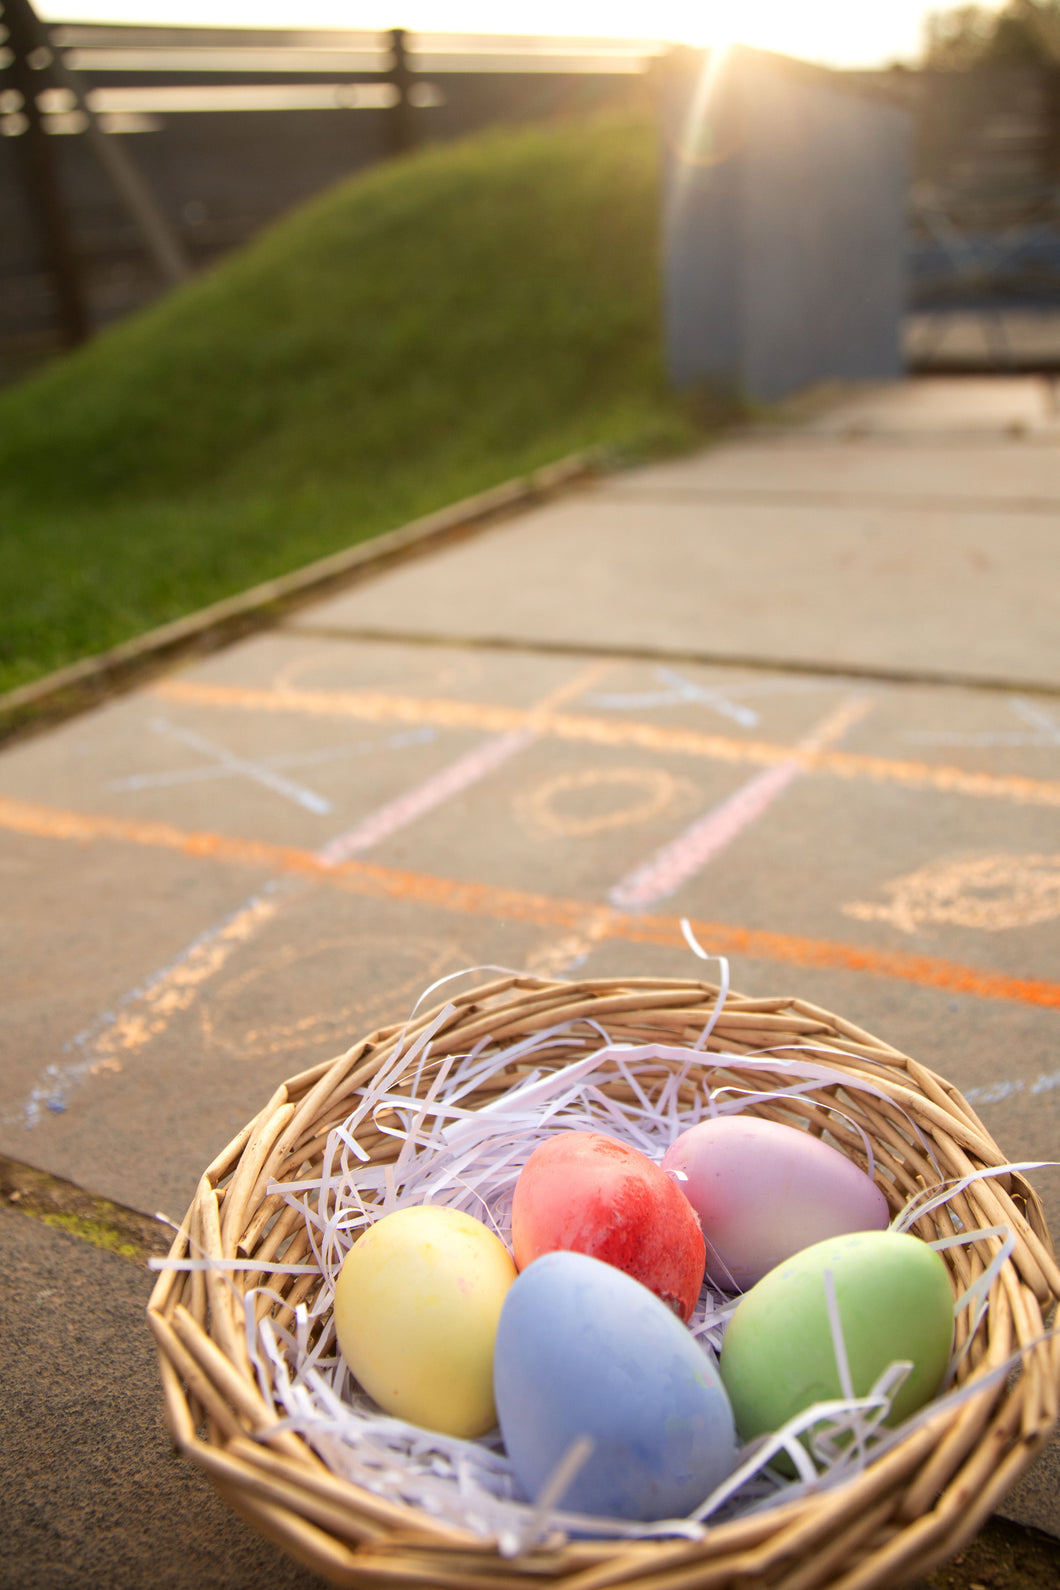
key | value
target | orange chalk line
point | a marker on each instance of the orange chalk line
(378, 707)
(134, 1028)
(500, 904)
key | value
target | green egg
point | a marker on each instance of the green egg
(895, 1301)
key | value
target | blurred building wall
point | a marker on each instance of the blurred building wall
(785, 258)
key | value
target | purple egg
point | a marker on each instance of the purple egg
(764, 1191)
(584, 1350)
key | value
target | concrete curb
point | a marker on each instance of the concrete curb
(79, 685)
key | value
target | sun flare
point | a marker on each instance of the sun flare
(831, 32)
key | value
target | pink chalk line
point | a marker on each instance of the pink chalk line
(673, 865)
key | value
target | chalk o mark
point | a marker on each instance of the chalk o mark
(650, 792)
(991, 893)
(441, 670)
(326, 982)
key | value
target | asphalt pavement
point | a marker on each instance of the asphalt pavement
(802, 689)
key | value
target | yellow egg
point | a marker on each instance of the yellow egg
(416, 1308)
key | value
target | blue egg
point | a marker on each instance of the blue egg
(584, 1350)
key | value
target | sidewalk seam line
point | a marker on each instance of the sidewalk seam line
(877, 674)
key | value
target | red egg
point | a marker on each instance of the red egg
(587, 1193)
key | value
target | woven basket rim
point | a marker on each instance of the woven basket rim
(903, 1514)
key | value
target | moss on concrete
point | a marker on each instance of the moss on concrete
(66, 1207)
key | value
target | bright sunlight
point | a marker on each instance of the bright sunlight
(831, 32)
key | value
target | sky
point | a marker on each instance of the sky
(848, 33)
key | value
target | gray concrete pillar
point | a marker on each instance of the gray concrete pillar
(784, 228)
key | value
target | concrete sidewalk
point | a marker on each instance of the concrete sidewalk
(576, 705)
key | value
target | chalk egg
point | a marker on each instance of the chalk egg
(416, 1306)
(894, 1301)
(583, 1350)
(763, 1191)
(589, 1193)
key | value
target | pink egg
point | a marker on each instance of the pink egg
(764, 1191)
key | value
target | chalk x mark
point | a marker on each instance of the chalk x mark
(679, 691)
(217, 770)
(1046, 730)
(226, 763)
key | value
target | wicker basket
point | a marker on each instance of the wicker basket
(906, 1512)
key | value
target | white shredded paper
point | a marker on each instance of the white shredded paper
(468, 1158)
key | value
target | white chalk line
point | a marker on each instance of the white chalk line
(1010, 1087)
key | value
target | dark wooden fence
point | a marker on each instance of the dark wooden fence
(231, 129)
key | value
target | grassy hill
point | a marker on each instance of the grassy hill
(435, 326)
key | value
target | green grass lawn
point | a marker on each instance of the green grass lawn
(437, 325)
